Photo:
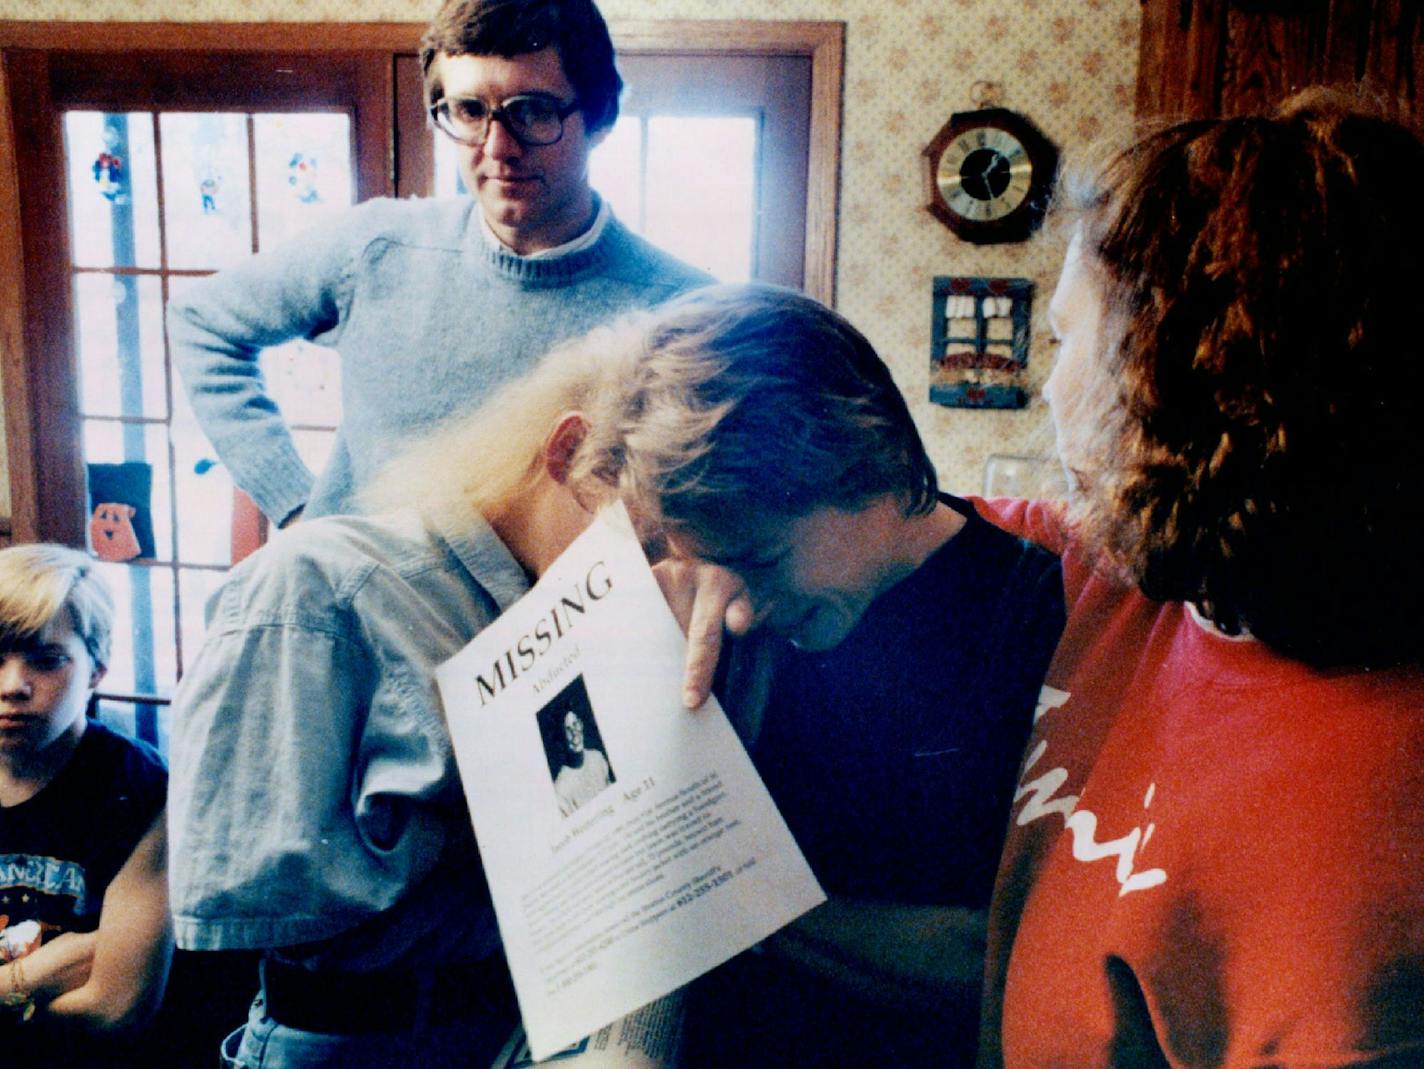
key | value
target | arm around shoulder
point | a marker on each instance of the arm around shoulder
(1042, 522)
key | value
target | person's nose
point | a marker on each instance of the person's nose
(1050, 384)
(763, 603)
(15, 682)
(500, 144)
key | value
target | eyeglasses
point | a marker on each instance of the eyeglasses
(532, 119)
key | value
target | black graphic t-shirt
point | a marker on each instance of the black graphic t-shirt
(60, 849)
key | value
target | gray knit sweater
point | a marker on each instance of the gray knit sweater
(428, 316)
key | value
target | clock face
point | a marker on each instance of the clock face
(989, 175)
(984, 174)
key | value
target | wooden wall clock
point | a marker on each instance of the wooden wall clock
(989, 175)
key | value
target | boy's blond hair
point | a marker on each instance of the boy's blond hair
(38, 582)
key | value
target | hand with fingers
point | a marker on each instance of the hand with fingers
(706, 599)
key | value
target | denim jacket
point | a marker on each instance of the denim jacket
(314, 802)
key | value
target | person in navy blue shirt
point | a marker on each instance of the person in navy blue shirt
(85, 938)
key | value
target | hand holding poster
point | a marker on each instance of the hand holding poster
(629, 844)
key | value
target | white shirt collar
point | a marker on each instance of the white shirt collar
(1210, 628)
(578, 244)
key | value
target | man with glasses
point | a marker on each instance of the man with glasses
(433, 303)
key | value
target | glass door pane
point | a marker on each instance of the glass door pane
(701, 179)
(158, 199)
(303, 171)
(207, 189)
(112, 173)
(687, 183)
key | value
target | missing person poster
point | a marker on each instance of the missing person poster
(630, 845)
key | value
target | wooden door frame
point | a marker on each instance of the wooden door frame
(34, 397)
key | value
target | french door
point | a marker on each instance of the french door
(141, 169)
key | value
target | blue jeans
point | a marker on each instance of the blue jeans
(262, 1043)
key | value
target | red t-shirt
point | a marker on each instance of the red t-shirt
(1215, 855)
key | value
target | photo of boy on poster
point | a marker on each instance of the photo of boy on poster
(574, 748)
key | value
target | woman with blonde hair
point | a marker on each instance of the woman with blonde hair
(316, 809)
(1215, 851)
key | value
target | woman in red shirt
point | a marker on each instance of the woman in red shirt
(1215, 848)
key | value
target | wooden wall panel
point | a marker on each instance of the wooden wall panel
(1267, 56)
(1201, 58)
(1391, 62)
(1204, 51)
(46, 475)
(19, 429)
(1347, 41)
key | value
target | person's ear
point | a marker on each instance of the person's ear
(562, 445)
(95, 676)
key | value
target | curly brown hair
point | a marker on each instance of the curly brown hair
(1261, 289)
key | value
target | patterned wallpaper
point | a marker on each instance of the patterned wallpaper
(1070, 65)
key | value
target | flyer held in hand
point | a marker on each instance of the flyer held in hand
(630, 845)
